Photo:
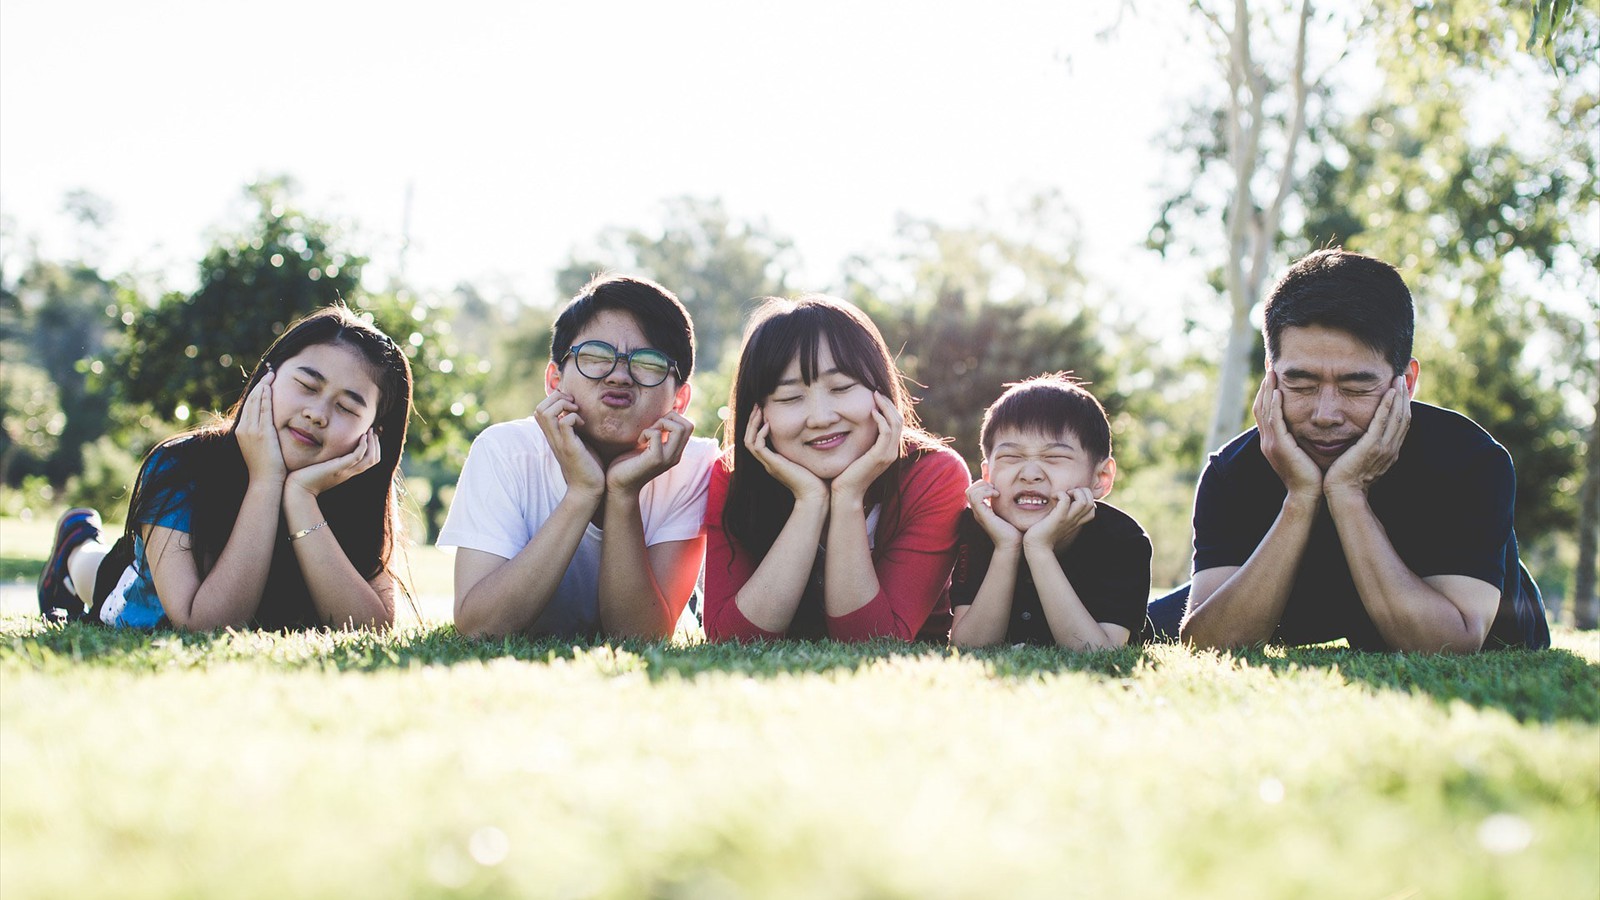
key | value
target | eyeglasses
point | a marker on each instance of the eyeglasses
(647, 366)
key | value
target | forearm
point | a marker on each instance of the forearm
(1246, 609)
(985, 622)
(231, 592)
(342, 596)
(849, 580)
(631, 600)
(1070, 623)
(509, 599)
(1409, 613)
(771, 596)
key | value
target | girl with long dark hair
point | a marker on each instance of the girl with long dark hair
(831, 514)
(281, 514)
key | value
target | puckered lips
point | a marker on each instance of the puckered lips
(303, 438)
(828, 441)
(617, 399)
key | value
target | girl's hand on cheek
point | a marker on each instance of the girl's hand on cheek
(859, 475)
(314, 479)
(257, 433)
(800, 481)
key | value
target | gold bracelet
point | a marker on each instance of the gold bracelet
(305, 531)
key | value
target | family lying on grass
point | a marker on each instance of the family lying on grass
(1350, 510)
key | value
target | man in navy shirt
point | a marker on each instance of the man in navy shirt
(1350, 510)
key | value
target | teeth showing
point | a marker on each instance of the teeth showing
(1032, 502)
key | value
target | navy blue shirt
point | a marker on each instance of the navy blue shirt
(1108, 564)
(1446, 505)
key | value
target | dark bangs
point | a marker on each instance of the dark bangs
(800, 331)
(1050, 405)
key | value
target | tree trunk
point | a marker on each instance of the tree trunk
(1585, 602)
(1228, 413)
(1252, 225)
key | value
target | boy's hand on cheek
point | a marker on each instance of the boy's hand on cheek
(1060, 527)
(660, 447)
(979, 497)
(558, 418)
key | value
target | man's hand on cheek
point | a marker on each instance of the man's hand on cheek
(1371, 456)
(1294, 467)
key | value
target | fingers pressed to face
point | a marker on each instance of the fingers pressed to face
(755, 434)
(979, 492)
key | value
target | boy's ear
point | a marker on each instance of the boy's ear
(552, 378)
(1104, 475)
(983, 470)
(680, 398)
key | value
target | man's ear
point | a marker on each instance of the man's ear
(1104, 475)
(552, 378)
(983, 470)
(680, 398)
(1413, 369)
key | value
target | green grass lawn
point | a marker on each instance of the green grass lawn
(420, 764)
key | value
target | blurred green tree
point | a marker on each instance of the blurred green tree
(972, 309)
(190, 353)
(715, 263)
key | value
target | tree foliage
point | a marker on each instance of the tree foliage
(192, 352)
(715, 263)
(971, 309)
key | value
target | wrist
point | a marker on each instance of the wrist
(1009, 547)
(845, 501)
(1033, 546)
(1303, 502)
(584, 498)
(1343, 497)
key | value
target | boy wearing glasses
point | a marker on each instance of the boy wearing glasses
(1041, 558)
(584, 518)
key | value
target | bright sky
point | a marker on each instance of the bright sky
(523, 129)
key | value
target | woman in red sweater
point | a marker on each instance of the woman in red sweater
(831, 514)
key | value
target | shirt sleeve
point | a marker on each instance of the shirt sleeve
(684, 501)
(485, 513)
(1473, 527)
(972, 563)
(914, 567)
(1117, 590)
(727, 569)
(1224, 533)
(165, 500)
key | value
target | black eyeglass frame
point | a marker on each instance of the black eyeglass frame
(618, 356)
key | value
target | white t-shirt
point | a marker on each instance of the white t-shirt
(512, 483)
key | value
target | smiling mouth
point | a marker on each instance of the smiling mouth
(304, 438)
(827, 441)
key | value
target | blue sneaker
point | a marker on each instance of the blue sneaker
(56, 599)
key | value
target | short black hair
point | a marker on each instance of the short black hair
(657, 310)
(1360, 295)
(1050, 404)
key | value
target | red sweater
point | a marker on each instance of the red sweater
(913, 563)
